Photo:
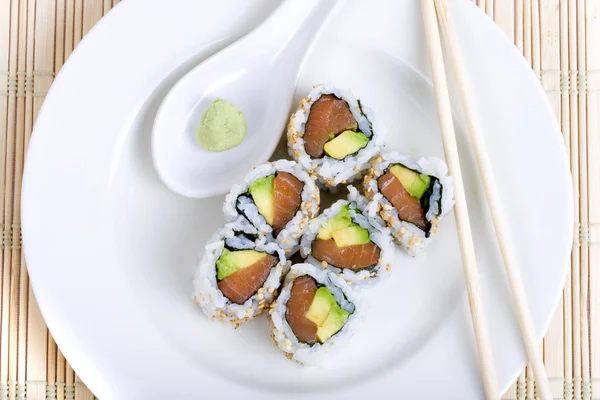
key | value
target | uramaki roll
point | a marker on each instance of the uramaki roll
(315, 314)
(410, 196)
(239, 274)
(334, 136)
(278, 199)
(349, 243)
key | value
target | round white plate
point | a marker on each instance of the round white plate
(111, 252)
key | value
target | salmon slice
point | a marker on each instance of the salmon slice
(242, 284)
(301, 297)
(328, 116)
(353, 257)
(409, 208)
(288, 196)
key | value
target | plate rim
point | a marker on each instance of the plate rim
(61, 76)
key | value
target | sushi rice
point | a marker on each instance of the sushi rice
(238, 235)
(378, 234)
(329, 171)
(281, 332)
(412, 239)
(239, 203)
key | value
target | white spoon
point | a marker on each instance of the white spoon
(258, 74)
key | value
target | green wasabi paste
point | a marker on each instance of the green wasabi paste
(222, 126)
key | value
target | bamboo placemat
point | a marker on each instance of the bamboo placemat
(559, 38)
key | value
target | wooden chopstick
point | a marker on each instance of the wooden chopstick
(486, 361)
(491, 190)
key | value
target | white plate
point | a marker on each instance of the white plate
(111, 252)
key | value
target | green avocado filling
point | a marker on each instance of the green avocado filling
(263, 194)
(346, 143)
(326, 313)
(232, 261)
(343, 231)
(351, 235)
(416, 184)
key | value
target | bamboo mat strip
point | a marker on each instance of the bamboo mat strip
(550, 70)
(37, 333)
(566, 128)
(592, 236)
(583, 201)
(593, 168)
(593, 233)
(9, 296)
(575, 259)
(558, 38)
(5, 67)
(504, 15)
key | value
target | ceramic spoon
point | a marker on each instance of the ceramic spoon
(258, 74)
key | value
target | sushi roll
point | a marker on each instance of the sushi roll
(278, 199)
(239, 274)
(347, 242)
(410, 196)
(315, 314)
(334, 136)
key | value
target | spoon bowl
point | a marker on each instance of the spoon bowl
(258, 74)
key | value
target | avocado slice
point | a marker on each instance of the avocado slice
(262, 193)
(334, 322)
(326, 313)
(321, 306)
(350, 236)
(420, 186)
(341, 220)
(346, 143)
(416, 184)
(232, 261)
